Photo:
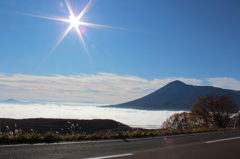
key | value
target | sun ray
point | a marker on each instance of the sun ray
(84, 44)
(60, 39)
(98, 25)
(69, 8)
(75, 22)
(85, 9)
(46, 17)
(58, 42)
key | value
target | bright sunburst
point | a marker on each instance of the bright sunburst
(74, 23)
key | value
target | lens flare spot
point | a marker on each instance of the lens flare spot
(83, 30)
(61, 4)
(167, 142)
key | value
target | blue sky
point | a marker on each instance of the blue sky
(148, 43)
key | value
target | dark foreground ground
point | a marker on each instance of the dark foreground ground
(61, 126)
(220, 145)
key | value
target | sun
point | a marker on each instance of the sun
(74, 22)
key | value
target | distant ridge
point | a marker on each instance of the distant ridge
(11, 101)
(175, 96)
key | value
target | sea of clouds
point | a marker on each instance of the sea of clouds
(131, 117)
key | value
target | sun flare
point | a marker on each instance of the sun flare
(74, 22)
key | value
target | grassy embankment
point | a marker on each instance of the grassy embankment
(50, 137)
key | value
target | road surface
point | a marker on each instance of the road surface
(220, 145)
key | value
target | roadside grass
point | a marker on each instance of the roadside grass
(50, 137)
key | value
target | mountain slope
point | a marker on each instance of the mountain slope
(175, 96)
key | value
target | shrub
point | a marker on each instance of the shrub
(20, 138)
(35, 137)
(152, 133)
(136, 134)
(4, 139)
(93, 137)
(50, 137)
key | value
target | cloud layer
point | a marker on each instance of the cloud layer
(103, 87)
(133, 118)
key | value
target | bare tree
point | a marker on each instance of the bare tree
(215, 110)
(177, 121)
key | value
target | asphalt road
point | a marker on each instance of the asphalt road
(220, 145)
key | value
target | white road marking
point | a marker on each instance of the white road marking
(233, 138)
(113, 156)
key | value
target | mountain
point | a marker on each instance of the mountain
(11, 101)
(175, 96)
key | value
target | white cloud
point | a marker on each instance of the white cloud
(102, 87)
(225, 82)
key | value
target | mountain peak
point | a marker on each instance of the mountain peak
(10, 100)
(177, 82)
